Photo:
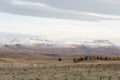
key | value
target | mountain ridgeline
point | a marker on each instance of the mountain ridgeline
(12, 45)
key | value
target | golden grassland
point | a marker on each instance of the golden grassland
(64, 70)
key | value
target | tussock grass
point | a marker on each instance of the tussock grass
(100, 70)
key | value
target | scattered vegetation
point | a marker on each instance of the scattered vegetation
(103, 58)
(99, 70)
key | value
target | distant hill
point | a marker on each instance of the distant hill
(35, 47)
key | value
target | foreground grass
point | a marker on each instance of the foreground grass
(64, 71)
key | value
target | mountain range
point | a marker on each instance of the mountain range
(30, 40)
(17, 45)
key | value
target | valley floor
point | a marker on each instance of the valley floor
(97, 70)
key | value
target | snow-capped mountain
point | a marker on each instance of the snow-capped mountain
(94, 43)
(13, 43)
(29, 40)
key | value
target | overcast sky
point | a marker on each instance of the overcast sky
(62, 19)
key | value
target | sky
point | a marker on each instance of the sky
(62, 19)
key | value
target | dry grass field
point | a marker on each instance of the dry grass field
(53, 70)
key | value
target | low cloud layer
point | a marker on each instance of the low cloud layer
(64, 9)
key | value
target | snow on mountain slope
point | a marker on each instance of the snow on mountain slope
(99, 43)
(29, 40)
(95, 43)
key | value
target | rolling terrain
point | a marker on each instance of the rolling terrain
(25, 57)
(37, 47)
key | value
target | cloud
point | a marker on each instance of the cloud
(65, 9)
(27, 3)
(94, 6)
